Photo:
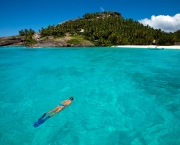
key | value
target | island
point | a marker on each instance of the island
(94, 29)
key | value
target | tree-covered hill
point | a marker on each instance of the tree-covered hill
(109, 28)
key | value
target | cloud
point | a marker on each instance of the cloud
(165, 23)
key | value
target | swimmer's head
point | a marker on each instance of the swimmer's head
(71, 98)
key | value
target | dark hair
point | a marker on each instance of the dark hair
(71, 98)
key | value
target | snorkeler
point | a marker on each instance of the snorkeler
(60, 107)
(53, 112)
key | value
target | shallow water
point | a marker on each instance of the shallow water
(121, 96)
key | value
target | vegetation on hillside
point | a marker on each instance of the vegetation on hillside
(110, 28)
(28, 36)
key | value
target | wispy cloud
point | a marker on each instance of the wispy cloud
(102, 9)
(166, 23)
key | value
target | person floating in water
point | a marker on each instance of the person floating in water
(53, 112)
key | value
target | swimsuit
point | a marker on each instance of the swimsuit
(61, 105)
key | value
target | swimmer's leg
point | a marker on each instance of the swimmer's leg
(52, 111)
(55, 112)
(49, 111)
(52, 114)
(42, 116)
(46, 118)
(43, 120)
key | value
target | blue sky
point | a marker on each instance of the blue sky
(20, 14)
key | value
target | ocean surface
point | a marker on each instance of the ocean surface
(121, 96)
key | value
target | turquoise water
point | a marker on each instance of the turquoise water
(121, 96)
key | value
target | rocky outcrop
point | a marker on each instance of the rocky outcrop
(60, 42)
(12, 41)
(43, 42)
(36, 36)
(84, 44)
(48, 43)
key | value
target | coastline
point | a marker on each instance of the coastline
(153, 47)
(148, 46)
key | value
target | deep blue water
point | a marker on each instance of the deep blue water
(121, 96)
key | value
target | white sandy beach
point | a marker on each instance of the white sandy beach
(148, 46)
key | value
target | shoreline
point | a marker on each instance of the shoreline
(148, 46)
(153, 47)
